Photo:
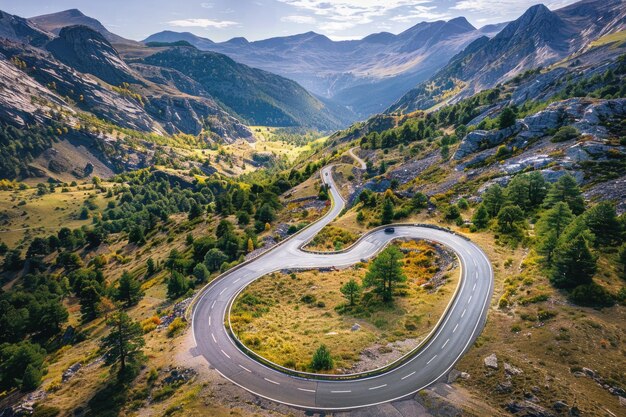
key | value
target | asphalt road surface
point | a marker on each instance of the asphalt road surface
(461, 325)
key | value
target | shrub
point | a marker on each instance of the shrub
(322, 361)
(565, 133)
(591, 295)
(175, 327)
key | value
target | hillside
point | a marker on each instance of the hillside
(258, 97)
(142, 185)
(539, 37)
(365, 76)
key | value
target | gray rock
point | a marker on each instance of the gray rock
(504, 387)
(622, 401)
(481, 139)
(491, 361)
(70, 372)
(511, 370)
(589, 372)
(355, 327)
(560, 406)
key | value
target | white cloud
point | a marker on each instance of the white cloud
(207, 5)
(421, 12)
(298, 19)
(338, 15)
(505, 6)
(202, 23)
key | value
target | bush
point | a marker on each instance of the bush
(591, 295)
(565, 133)
(322, 361)
(175, 327)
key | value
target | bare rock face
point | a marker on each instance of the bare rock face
(491, 361)
(88, 51)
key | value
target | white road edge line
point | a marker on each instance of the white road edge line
(225, 354)
(273, 382)
(406, 376)
(244, 368)
(380, 386)
(431, 359)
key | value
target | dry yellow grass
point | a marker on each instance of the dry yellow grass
(27, 215)
(285, 317)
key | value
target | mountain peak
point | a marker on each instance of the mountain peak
(461, 22)
(73, 13)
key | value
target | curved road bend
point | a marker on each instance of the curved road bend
(458, 329)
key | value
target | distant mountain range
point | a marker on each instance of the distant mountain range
(539, 37)
(364, 75)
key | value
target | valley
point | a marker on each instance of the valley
(423, 223)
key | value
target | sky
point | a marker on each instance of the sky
(221, 20)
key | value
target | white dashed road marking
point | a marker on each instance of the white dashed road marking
(214, 339)
(431, 359)
(406, 376)
(273, 382)
(444, 345)
(306, 390)
(457, 325)
(380, 386)
(340, 392)
(244, 368)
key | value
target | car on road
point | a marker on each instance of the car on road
(389, 230)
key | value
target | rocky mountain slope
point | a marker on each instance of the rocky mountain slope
(78, 84)
(54, 22)
(365, 75)
(539, 37)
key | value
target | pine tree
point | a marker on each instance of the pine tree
(89, 299)
(177, 285)
(481, 217)
(129, 290)
(550, 228)
(201, 272)
(566, 189)
(351, 290)
(603, 223)
(574, 264)
(493, 199)
(384, 272)
(387, 211)
(509, 217)
(622, 261)
(322, 360)
(507, 118)
(123, 344)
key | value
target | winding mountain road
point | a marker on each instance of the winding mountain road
(456, 331)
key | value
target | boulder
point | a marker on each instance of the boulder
(511, 370)
(491, 361)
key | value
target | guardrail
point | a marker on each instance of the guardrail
(360, 375)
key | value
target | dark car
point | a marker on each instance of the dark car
(389, 230)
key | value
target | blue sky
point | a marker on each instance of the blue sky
(259, 19)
